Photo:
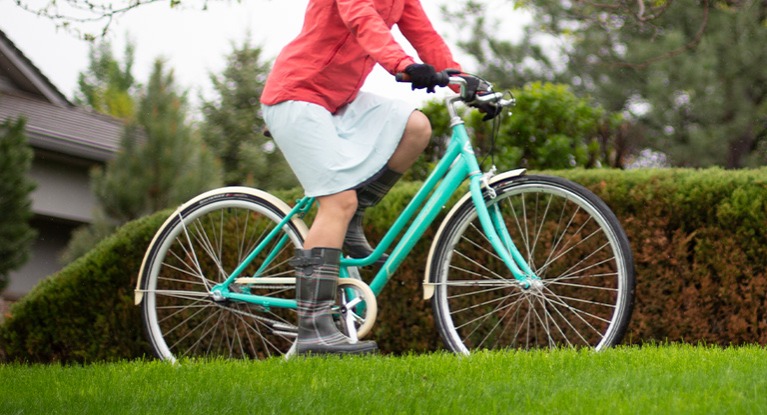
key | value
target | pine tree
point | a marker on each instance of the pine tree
(233, 127)
(16, 233)
(161, 162)
(107, 85)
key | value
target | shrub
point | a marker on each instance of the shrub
(700, 248)
(698, 236)
(85, 312)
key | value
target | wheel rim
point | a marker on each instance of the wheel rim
(182, 317)
(581, 298)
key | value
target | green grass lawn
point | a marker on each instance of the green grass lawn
(664, 380)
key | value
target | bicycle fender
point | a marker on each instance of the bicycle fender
(300, 225)
(428, 286)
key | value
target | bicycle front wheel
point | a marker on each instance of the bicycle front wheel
(199, 246)
(573, 243)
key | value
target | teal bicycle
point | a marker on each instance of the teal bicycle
(520, 261)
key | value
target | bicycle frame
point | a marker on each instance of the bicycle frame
(458, 164)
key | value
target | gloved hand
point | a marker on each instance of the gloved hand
(422, 76)
(476, 87)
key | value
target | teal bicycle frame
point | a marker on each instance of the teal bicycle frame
(447, 177)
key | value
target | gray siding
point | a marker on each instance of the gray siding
(61, 202)
(63, 189)
(52, 237)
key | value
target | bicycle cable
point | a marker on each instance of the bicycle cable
(494, 131)
(497, 121)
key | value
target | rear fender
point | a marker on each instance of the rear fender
(278, 203)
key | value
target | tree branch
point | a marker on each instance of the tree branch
(675, 52)
(68, 14)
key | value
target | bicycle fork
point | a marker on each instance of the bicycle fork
(497, 233)
(491, 221)
(494, 228)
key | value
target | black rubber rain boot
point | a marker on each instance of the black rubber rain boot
(356, 244)
(316, 285)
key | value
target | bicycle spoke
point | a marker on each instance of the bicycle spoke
(200, 247)
(547, 264)
(196, 273)
(178, 294)
(573, 245)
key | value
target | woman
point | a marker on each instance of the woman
(347, 148)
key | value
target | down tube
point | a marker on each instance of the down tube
(412, 208)
(427, 215)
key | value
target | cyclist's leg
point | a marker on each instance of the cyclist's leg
(316, 287)
(317, 279)
(413, 142)
(333, 215)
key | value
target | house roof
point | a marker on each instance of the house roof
(53, 122)
(69, 130)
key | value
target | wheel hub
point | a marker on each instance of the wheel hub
(534, 286)
(217, 296)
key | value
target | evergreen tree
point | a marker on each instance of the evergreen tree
(233, 127)
(505, 63)
(16, 234)
(161, 162)
(107, 86)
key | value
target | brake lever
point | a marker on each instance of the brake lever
(494, 97)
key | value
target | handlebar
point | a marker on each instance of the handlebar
(452, 77)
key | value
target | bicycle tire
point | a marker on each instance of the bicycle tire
(199, 246)
(572, 241)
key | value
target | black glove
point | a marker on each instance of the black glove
(422, 76)
(476, 87)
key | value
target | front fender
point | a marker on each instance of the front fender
(428, 286)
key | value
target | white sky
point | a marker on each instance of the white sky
(195, 42)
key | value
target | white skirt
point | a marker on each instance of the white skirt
(330, 153)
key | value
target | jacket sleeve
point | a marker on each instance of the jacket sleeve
(418, 30)
(372, 34)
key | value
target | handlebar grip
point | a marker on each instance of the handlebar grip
(441, 78)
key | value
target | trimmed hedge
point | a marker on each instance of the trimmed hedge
(700, 247)
(699, 240)
(85, 312)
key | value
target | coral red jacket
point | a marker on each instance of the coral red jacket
(339, 44)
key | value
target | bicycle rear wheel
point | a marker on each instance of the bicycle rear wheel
(199, 246)
(573, 243)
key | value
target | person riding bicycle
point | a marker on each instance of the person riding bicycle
(347, 147)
